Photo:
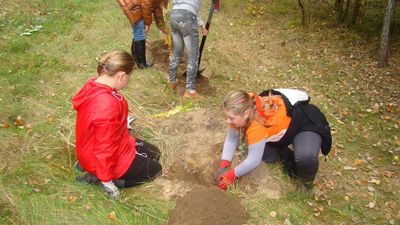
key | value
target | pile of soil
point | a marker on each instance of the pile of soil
(161, 55)
(193, 143)
(208, 205)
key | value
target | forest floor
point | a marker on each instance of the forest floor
(358, 183)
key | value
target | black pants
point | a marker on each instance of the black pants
(302, 161)
(145, 166)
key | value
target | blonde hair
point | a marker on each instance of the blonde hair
(237, 102)
(115, 60)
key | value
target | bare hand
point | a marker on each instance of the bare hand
(146, 29)
(204, 31)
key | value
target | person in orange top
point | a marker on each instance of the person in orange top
(269, 125)
(140, 14)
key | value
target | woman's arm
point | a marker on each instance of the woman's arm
(230, 144)
(253, 159)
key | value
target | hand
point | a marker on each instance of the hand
(204, 31)
(146, 29)
(222, 168)
(130, 119)
(111, 189)
(226, 179)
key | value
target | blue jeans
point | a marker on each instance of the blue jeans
(185, 32)
(138, 31)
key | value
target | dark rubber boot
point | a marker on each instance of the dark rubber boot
(140, 53)
(133, 48)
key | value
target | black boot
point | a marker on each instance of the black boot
(88, 178)
(140, 54)
(133, 48)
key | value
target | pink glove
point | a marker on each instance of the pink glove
(226, 179)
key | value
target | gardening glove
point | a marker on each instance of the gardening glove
(226, 179)
(222, 168)
(130, 119)
(111, 189)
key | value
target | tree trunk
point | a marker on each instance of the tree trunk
(356, 11)
(346, 11)
(384, 51)
(303, 13)
(339, 10)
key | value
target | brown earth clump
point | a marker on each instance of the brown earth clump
(208, 205)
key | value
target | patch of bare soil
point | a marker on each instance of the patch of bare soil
(208, 205)
(161, 56)
(192, 151)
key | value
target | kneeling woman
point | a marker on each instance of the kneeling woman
(269, 122)
(104, 148)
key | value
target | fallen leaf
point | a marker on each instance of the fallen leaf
(112, 215)
(19, 121)
(346, 198)
(5, 125)
(371, 205)
(358, 162)
(72, 198)
(272, 214)
(371, 189)
(87, 207)
(374, 181)
(349, 168)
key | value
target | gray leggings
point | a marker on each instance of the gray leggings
(306, 147)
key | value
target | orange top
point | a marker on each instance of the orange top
(272, 125)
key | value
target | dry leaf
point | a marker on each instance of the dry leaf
(358, 162)
(87, 207)
(374, 181)
(371, 189)
(272, 214)
(112, 215)
(346, 198)
(371, 205)
(5, 125)
(349, 168)
(19, 121)
(72, 198)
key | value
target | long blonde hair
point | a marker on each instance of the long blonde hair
(115, 60)
(237, 102)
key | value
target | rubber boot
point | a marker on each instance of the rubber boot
(140, 53)
(133, 48)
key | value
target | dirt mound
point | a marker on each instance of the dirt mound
(160, 55)
(191, 154)
(208, 205)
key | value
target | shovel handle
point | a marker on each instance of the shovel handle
(208, 24)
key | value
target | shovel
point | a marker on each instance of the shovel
(203, 40)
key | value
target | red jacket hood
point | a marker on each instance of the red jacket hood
(88, 92)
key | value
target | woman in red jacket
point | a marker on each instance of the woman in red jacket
(104, 147)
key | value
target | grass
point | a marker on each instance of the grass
(40, 72)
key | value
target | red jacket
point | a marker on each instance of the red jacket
(103, 144)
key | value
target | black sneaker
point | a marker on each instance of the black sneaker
(88, 178)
